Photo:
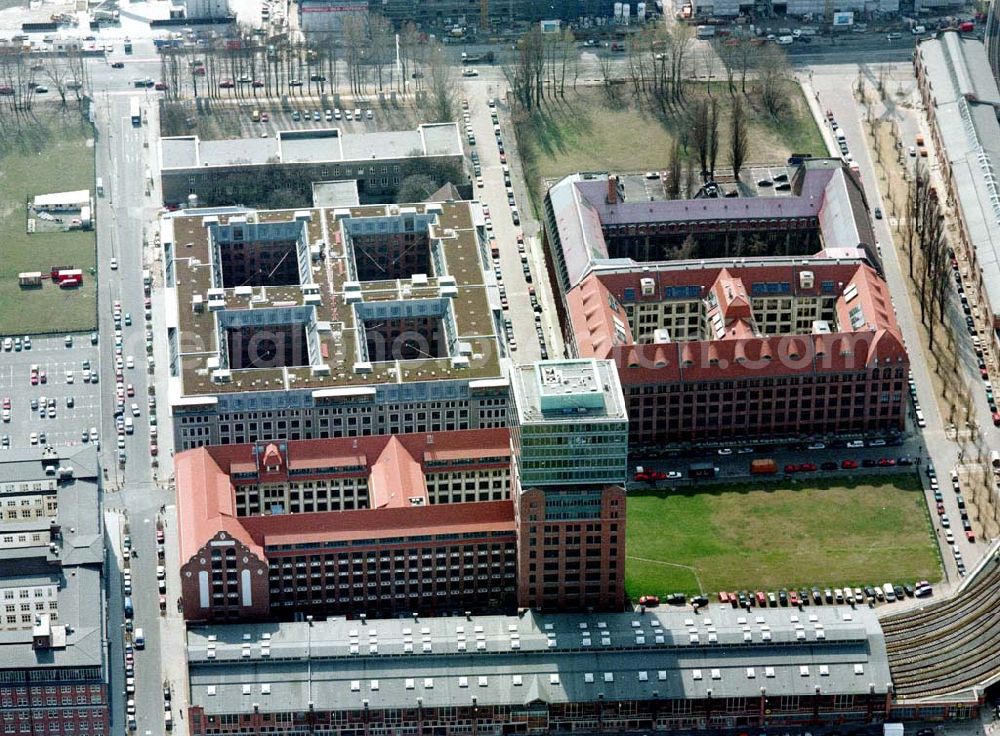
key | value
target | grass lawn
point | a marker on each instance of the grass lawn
(781, 535)
(588, 133)
(52, 153)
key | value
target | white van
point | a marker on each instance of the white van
(890, 594)
(139, 638)
(129, 425)
(100, 187)
(921, 422)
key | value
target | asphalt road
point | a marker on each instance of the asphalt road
(133, 493)
(830, 85)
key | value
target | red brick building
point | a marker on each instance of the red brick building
(379, 525)
(576, 563)
(749, 348)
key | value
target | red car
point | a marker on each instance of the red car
(970, 535)
(849, 464)
(807, 467)
(723, 596)
(793, 597)
(886, 462)
(520, 237)
(160, 86)
(649, 601)
(34, 379)
(6, 402)
(154, 450)
(198, 71)
(984, 374)
(657, 475)
(641, 477)
(227, 84)
(940, 509)
(761, 598)
(790, 468)
(996, 419)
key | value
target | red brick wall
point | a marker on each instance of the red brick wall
(571, 563)
(228, 564)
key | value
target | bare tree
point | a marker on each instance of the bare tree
(772, 78)
(57, 73)
(381, 44)
(674, 172)
(409, 43)
(681, 40)
(700, 127)
(525, 70)
(713, 137)
(728, 53)
(739, 136)
(689, 177)
(443, 86)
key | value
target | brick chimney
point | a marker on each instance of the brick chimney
(612, 197)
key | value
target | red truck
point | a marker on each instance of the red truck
(763, 466)
(966, 26)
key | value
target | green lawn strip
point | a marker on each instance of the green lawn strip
(783, 535)
(54, 153)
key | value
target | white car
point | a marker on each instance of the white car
(470, 73)
(114, 264)
(69, 376)
(130, 362)
(135, 410)
(33, 438)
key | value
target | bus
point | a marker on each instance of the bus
(136, 112)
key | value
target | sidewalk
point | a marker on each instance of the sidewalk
(173, 633)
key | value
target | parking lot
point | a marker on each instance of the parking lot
(319, 111)
(755, 181)
(62, 424)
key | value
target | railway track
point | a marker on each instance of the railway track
(949, 645)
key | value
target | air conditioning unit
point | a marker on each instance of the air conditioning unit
(648, 287)
(806, 279)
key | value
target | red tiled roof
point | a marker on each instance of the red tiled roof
(739, 352)
(395, 478)
(206, 501)
(451, 518)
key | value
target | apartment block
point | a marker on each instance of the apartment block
(53, 645)
(376, 525)
(719, 348)
(331, 322)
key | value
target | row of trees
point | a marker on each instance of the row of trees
(66, 75)
(361, 57)
(658, 66)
